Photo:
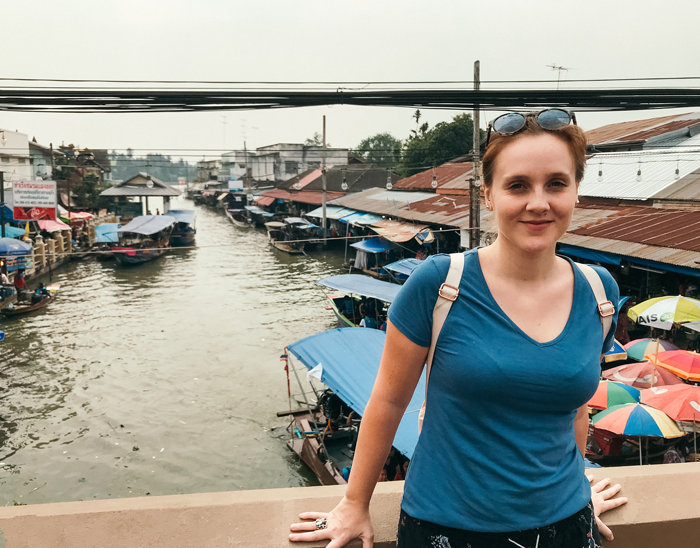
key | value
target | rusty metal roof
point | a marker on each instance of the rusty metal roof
(658, 130)
(451, 176)
(303, 196)
(613, 132)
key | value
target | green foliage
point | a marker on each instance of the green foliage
(87, 192)
(64, 169)
(446, 141)
(381, 150)
(316, 140)
(125, 166)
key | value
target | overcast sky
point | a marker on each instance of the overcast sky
(325, 40)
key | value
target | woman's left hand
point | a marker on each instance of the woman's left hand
(602, 498)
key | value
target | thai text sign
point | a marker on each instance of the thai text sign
(34, 200)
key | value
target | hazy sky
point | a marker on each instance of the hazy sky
(326, 40)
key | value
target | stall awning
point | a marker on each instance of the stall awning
(332, 212)
(374, 245)
(349, 359)
(397, 231)
(53, 226)
(264, 200)
(148, 224)
(14, 232)
(404, 266)
(590, 254)
(362, 285)
(360, 218)
(255, 210)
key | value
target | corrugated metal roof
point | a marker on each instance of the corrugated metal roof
(657, 227)
(658, 130)
(620, 169)
(616, 131)
(304, 196)
(449, 176)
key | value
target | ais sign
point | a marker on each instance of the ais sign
(34, 200)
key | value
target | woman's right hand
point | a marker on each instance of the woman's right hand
(346, 522)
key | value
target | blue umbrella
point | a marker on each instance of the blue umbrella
(617, 352)
(10, 246)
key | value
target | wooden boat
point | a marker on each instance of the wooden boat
(323, 433)
(238, 217)
(143, 239)
(37, 302)
(280, 238)
(355, 286)
(184, 231)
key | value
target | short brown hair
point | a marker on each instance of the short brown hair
(572, 135)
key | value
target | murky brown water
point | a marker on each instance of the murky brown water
(178, 358)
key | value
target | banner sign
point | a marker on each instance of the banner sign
(34, 200)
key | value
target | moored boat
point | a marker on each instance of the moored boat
(184, 231)
(355, 287)
(281, 238)
(35, 302)
(238, 217)
(143, 239)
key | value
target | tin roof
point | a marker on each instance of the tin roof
(304, 196)
(620, 131)
(450, 176)
(358, 178)
(658, 173)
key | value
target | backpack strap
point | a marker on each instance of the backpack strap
(447, 294)
(606, 309)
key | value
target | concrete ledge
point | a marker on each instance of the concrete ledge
(664, 510)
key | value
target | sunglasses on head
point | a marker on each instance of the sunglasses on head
(551, 119)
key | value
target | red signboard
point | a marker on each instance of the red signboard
(34, 200)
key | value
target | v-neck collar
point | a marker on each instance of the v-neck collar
(497, 307)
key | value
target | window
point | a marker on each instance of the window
(22, 160)
(5, 160)
(291, 168)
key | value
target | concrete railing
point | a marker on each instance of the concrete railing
(664, 510)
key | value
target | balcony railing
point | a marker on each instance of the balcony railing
(664, 510)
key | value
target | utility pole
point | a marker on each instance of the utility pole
(323, 179)
(475, 190)
(2, 202)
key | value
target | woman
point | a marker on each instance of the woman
(499, 462)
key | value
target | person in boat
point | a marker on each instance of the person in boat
(368, 322)
(41, 290)
(19, 284)
(523, 316)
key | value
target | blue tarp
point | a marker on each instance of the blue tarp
(350, 360)
(298, 222)
(255, 210)
(404, 266)
(10, 246)
(362, 285)
(8, 214)
(360, 218)
(107, 233)
(14, 232)
(590, 254)
(374, 245)
(182, 215)
(148, 224)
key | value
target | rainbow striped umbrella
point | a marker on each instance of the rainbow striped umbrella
(641, 347)
(636, 419)
(610, 394)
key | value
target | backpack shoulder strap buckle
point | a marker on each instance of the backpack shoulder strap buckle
(606, 309)
(448, 292)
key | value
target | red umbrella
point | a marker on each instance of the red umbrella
(681, 402)
(641, 375)
(682, 363)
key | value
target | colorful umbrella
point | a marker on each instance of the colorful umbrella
(617, 352)
(682, 363)
(639, 348)
(663, 312)
(635, 419)
(610, 394)
(681, 402)
(641, 375)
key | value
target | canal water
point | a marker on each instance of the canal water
(163, 378)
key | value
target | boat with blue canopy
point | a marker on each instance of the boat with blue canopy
(367, 256)
(143, 239)
(184, 231)
(358, 289)
(402, 269)
(257, 216)
(347, 362)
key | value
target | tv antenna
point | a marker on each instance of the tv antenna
(559, 70)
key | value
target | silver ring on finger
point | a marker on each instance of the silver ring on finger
(321, 523)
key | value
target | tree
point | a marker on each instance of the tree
(426, 147)
(381, 150)
(316, 140)
(87, 191)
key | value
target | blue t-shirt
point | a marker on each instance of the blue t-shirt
(498, 452)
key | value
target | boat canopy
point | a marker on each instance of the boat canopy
(404, 266)
(349, 359)
(362, 285)
(182, 215)
(52, 226)
(148, 224)
(359, 218)
(299, 222)
(332, 212)
(107, 233)
(275, 224)
(14, 232)
(397, 231)
(255, 210)
(374, 245)
(10, 246)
